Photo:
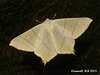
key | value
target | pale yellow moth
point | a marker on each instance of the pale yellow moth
(52, 37)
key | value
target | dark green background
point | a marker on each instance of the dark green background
(17, 16)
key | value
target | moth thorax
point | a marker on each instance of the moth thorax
(48, 25)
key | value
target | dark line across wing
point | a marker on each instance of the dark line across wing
(74, 28)
(64, 37)
(28, 41)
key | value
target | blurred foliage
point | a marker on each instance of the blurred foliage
(17, 16)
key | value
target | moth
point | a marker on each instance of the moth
(52, 37)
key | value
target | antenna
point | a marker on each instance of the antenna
(54, 16)
(38, 21)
